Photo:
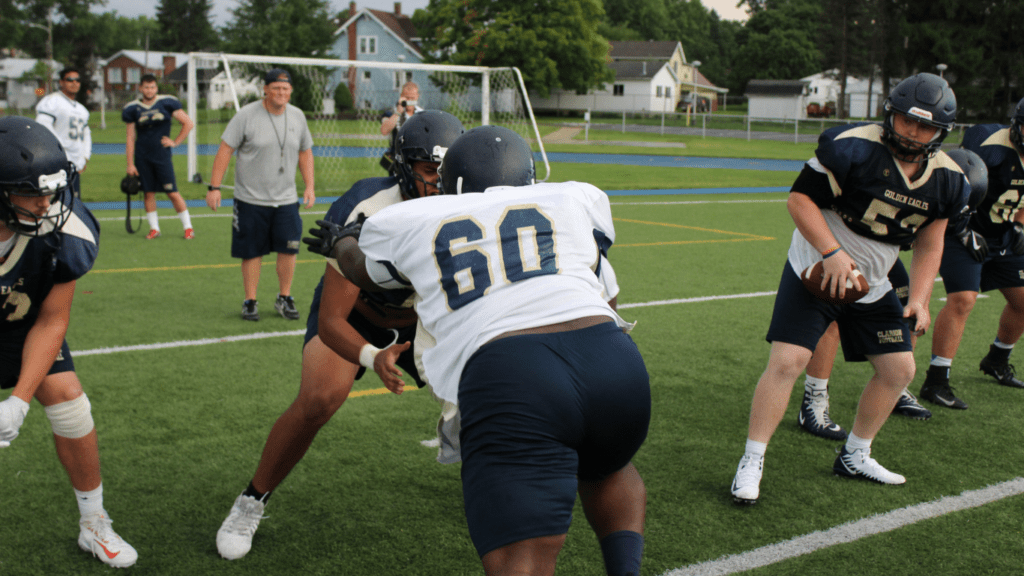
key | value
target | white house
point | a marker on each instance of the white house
(16, 93)
(220, 95)
(777, 99)
(824, 87)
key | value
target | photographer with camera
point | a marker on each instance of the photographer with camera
(404, 109)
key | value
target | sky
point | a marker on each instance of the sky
(221, 12)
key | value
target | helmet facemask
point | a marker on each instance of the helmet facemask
(906, 149)
(25, 222)
(407, 176)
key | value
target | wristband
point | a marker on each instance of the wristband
(831, 252)
(212, 188)
(367, 355)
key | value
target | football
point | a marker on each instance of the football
(855, 290)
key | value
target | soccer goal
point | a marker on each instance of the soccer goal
(344, 101)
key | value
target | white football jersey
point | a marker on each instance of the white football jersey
(485, 264)
(69, 121)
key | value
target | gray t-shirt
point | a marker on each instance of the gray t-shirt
(260, 157)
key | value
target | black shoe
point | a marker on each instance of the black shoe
(908, 406)
(1001, 371)
(250, 311)
(936, 389)
(285, 306)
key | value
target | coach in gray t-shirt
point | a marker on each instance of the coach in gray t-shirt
(272, 138)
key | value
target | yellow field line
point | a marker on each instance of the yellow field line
(193, 267)
(693, 228)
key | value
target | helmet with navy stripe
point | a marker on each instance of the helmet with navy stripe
(1016, 125)
(487, 156)
(423, 138)
(33, 164)
(976, 172)
(925, 98)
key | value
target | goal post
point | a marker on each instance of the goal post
(344, 101)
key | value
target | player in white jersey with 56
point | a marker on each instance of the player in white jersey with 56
(553, 393)
(68, 119)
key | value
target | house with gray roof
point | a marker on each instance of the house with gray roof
(777, 99)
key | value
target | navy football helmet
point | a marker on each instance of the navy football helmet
(1016, 122)
(33, 164)
(977, 174)
(487, 156)
(423, 138)
(927, 99)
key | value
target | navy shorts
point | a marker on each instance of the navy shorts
(960, 272)
(379, 337)
(538, 411)
(10, 361)
(156, 175)
(900, 281)
(260, 230)
(801, 318)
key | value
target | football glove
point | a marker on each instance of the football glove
(12, 416)
(975, 244)
(328, 234)
(1017, 239)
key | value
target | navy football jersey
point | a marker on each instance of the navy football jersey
(865, 186)
(369, 196)
(152, 122)
(995, 213)
(34, 265)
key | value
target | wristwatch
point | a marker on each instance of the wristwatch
(212, 188)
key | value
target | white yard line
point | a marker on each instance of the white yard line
(851, 531)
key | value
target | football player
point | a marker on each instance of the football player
(869, 189)
(149, 145)
(553, 393)
(990, 258)
(47, 242)
(814, 411)
(342, 320)
(68, 119)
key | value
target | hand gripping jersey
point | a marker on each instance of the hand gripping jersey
(152, 123)
(995, 213)
(34, 265)
(869, 203)
(485, 264)
(369, 196)
(69, 121)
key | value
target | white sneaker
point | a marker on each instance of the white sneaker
(860, 464)
(234, 539)
(746, 486)
(97, 536)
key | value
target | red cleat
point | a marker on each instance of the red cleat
(153, 234)
(189, 234)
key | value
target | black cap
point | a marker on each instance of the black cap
(277, 75)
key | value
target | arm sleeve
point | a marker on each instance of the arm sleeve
(815, 184)
(44, 115)
(234, 133)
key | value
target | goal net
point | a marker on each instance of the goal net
(344, 101)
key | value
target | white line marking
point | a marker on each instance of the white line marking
(698, 299)
(183, 343)
(851, 531)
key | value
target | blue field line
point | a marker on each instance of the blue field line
(565, 157)
(228, 203)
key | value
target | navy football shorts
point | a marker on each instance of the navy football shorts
(156, 174)
(379, 337)
(10, 361)
(801, 318)
(900, 281)
(538, 411)
(259, 230)
(960, 272)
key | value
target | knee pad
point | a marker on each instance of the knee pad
(71, 419)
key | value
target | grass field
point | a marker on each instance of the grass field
(181, 426)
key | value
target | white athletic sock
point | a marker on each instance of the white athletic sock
(186, 221)
(812, 384)
(756, 448)
(940, 361)
(853, 442)
(1002, 345)
(154, 222)
(90, 502)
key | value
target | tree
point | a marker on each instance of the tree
(185, 26)
(280, 27)
(554, 43)
(778, 42)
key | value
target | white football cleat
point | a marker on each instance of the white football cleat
(234, 539)
(97, 536)
(746, 486)
(860, 464)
